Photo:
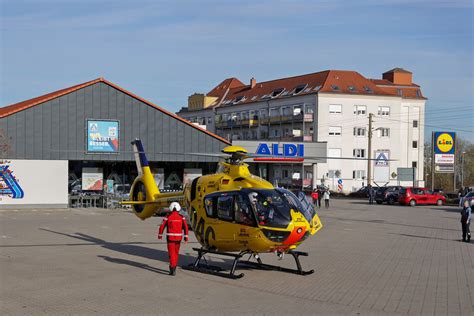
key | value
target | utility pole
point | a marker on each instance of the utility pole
(432, 161)
(369, 151)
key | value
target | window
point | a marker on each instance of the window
(277, 92)
(384, 111)
(264, 113)
(285, 173)
(335, 108)
(415, 144)
(225, 207)
(209, 120)
(418, 93)
(384, 132)
(274, 112)
(243, 212)
(358, 174)
(297, 110)
(210, 205)
(287, 111)
(335, 87)
(276, 132)
(352, 88)
(239, 99)
(334, 173)
(414, 164)
(358, 153)
(308, 109)
(360, 109)
(368, 89)
(245, 116)
(299, 88)
(415, 124)
(400, 92)
(335, 131)
(359, 131)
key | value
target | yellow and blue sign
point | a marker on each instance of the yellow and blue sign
(444, 142)
(102, 136)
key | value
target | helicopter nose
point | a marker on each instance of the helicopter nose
(296, 235)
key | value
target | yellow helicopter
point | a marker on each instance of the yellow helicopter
(232, 213)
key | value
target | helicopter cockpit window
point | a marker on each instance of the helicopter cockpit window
(300, 203)
(271, 208)
(210, 205)
(243, 211)
(225, 207)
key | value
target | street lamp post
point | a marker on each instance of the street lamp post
(462, 168)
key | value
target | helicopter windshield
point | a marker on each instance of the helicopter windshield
(272, 207)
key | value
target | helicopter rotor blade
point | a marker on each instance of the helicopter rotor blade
(247, 156)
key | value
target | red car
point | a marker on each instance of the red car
(413, 196)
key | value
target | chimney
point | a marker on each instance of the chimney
(398, 76)
(253, 83)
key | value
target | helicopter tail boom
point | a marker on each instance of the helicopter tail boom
(145, 197)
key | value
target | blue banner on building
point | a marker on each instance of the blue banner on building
(444, 142)
(102, 136)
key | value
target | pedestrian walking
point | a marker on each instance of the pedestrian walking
(315, 197)
(466, 221)
(320, 196)
(174, 224)
(371, 193)
(326, 198)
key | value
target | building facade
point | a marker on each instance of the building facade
(86, 130)
(329, 106)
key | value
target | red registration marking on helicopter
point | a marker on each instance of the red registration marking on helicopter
(279, 159)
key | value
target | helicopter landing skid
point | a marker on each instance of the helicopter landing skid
(260, 265)
(214, 270)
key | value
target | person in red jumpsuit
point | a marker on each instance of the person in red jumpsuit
(174, 224)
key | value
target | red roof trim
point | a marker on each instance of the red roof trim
(17, 107)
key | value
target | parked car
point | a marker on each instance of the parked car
(413, 196)
(361, 193)
(468, 197)
(122, 191)
(388, 194)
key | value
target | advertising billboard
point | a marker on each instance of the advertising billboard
(102, 136)
(92, 179)
(444, 146)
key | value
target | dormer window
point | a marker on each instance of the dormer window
(240, 98)
(299, 88)
(335, 87)
(317, 88)
(418, 93)
(368, 89)
(352, 88)
(400, 92)
(277, 92)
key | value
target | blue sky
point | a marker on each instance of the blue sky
(167, 50)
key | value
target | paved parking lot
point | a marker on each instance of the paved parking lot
(369, 259)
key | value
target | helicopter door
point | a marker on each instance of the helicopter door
(225, 214)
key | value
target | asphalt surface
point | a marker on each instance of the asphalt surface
(368, 260)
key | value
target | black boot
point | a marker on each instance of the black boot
(173, 271)
(468, 237)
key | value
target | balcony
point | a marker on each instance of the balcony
(305, 138)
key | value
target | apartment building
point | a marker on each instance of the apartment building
(329, 106)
